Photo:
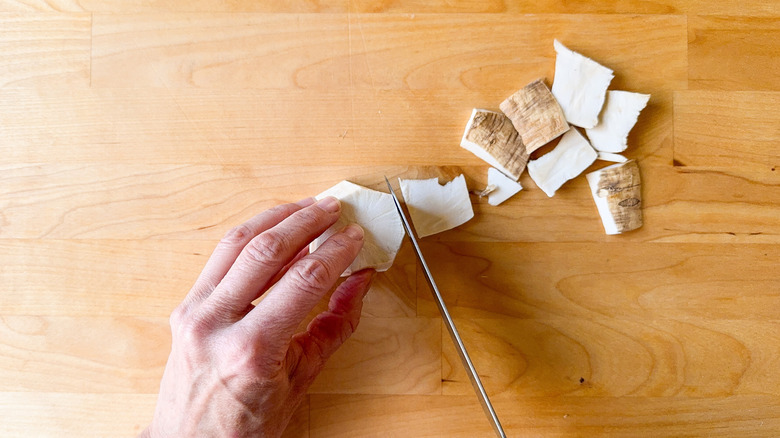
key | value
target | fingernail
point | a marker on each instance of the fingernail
(329, 204)
(305, 202)
(354, 231)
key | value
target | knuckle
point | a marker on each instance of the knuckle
(252, 357)
(312, 275)
(238, 235)
(283, 210)
(192, 332)
(308, 215)
(266, 248)
(177, 316)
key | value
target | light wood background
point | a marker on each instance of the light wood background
(133, 134)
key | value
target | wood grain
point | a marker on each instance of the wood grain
(615, 280)
(97, 277)
(134, 134)
(156, 201)
(732, 53)
(45, 50)
(461, 416)
(48, 414)
(576, 357)
(242, 50)
(56, 354)
(201, 202)
(386, 356)
(734, 132)
(81, 354)
(726, 7)
(258, 127)
(379, 51)
(139, 278)
(268, 126)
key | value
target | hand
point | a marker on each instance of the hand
(239, 370)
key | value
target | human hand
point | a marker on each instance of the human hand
(236, 370)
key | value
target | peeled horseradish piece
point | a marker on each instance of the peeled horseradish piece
(618, 117)
(570, 158)
(617, 192)
(615, 158)
(580, 86)
(375, 212)
(503, 188)
(490, 136)
(435, 208)
(535, 114)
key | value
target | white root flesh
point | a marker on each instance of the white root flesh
(571, 157)
(617, 192)
(535, 114)
(504, 188)
(435, 208)
(618, 117)
(375, 212)
(615, 158)
(580, 86)
(490, 136)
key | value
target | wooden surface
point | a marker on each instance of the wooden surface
(133, 134)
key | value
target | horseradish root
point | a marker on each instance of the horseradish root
(615, 158)
(571, 157)
(490, 136)
(618, 117)
(617, 192)
(535, 114)
(503, 187)
(375, 212)
(435, 208)
(580, 86)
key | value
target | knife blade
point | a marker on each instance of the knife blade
(450, 324)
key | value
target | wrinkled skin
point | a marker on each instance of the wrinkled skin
(239, 370)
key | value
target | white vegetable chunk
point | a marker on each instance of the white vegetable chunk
(615, 158)
(375, 212)
(504, 188)
(620, 114)
(580, 86)
(570, 158)
(435, 208)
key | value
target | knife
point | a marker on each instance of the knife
(445, 314)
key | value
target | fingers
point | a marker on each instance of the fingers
(268, 253)
(330, 329)
(298, 291)
(301, 254)
(233, 242)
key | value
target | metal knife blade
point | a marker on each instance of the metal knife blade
(464, 355)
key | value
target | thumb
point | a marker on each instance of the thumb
(330, 329)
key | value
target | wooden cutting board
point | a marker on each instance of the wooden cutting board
(133, 135)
